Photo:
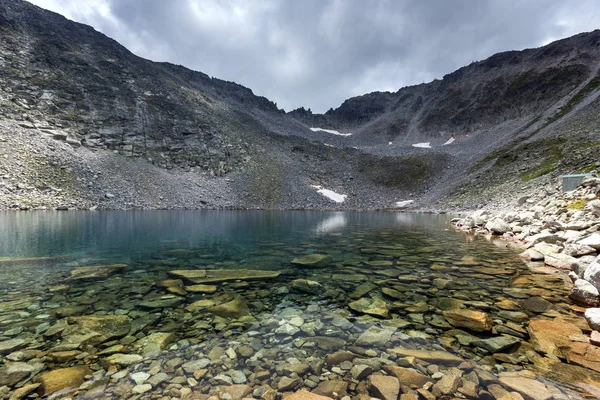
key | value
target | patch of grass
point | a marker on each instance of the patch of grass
(74, 117)
(547, 166)
(588, 168)
(7, 30)
(578, 204)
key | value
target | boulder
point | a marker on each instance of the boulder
(578, 249)
(584, 293)
(383, 387)
(532, 255)
(370, 306)
(592, 273)
(592, 241)
(233, 309)
(312, 261)
(560, 261)
(498, 226)
(63, 378)
(592, 316)
(474, 320)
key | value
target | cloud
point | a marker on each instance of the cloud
(317, 53)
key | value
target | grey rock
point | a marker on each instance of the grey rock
(585, 293)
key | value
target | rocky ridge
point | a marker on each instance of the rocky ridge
(182, 131)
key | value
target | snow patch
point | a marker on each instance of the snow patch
(333, 132)
(449, 141)
(330, 194)
(426, 145)
(403, 203)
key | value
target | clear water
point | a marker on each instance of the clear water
(417, 255)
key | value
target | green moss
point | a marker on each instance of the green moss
(577, 204)
(588, 168)
(74, 117)
(547, 166)
(7, 30)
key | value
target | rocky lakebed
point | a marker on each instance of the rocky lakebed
(351, 311)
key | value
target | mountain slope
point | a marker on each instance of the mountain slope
(85, 123)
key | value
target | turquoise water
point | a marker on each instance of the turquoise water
(410, 270)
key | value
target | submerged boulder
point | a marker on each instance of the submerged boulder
(202, 276)
(474, 320)
(59, 379)
(306, 286)
(312, 261)
(96, 272)
(233, 309)
(370, 306)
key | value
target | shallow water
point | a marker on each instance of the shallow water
(408, 270)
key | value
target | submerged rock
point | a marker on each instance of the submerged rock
(60, 379)
(102, 327)
(383, 387)
(233, 309)
(584, 293)
(547, 337)
(312, 260)
(307, 286)
(430, 356)
(202, 276)
(95, 272)
(370, 306)
(497, 344)
(478, 321)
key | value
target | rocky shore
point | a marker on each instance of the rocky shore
(562, 231)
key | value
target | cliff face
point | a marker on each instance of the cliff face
(83, 103)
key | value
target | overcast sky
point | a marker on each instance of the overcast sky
(317, 53)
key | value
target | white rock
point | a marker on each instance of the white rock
(584, 292)
(592, 273)
(139, 389)
(139, 377)
(592, 241)
(592, 315)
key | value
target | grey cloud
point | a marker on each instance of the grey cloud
(317, 53)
